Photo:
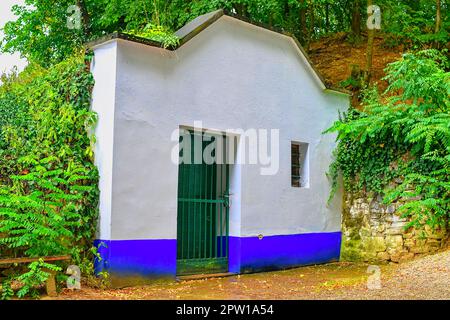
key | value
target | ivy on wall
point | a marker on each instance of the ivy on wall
(402, 134)
(48, 181)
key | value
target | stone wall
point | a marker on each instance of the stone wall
(374, 232)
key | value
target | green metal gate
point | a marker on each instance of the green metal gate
(203, 215)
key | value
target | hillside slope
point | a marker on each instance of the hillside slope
(334, 57)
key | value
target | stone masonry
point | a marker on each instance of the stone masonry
(374, 232)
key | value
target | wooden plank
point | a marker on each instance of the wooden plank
(28, 260)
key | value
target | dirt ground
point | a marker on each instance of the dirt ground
(424, 278)
(334, 57)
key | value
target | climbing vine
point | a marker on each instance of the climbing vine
(402, 134)
(48, 184)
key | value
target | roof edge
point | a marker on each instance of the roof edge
(222, 12)
(124, 36)
(201, 27)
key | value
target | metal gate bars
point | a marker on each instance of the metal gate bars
(203, 215)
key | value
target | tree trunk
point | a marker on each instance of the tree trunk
(312, 22)
(287, 16)
(85, 18)
(303, 27)
(438, 16)
(156, 13)
(356, 19)
(340, 19)
(286, 9)
(370, 39)
(241, 10)
(327, 17)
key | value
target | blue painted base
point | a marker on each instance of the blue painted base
(137, 258)
(151, 259)
(250, 254)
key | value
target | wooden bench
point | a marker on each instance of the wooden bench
(51, 281)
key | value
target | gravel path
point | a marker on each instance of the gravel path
(424, 278)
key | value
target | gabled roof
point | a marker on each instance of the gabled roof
(194, 27)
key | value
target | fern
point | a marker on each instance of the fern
(48, 184)
(403, 133)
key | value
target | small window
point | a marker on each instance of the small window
(299, 165)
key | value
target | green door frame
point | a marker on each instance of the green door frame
(202, 215)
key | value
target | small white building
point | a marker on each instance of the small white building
(163, 217)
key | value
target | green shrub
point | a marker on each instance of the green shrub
(49, 183)
(158, 34)
(402, 134)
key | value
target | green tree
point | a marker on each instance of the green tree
(48, 181)
(42, 35)
(403, 133)
(46, 32)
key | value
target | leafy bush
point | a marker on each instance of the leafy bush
(403, 134)
(157, 33)
(48, 184)
(412, 23)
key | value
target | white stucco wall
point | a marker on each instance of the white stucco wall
(231, 75)
(103, 101)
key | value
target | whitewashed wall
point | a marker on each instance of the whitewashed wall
(231, 75)
(103, 101)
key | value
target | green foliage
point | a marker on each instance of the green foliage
(412, 23)
(48, 184)
(158, 34)
(34, 277)
(352, 82)
(7, 291)
(403, 134)
(41, 32)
